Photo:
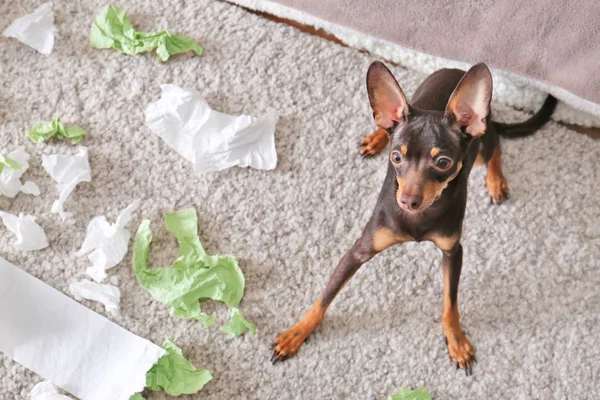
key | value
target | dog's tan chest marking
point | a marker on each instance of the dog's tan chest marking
(384, 237)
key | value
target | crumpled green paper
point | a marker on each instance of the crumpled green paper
(47, 129)
(238, 324)
(195, 275)
(112, 29)
(407, 394)
(174, 374)
(9, 162)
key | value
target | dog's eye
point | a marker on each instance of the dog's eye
(443, 163)
(396, 157)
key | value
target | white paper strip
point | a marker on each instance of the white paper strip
(68, 344)
(36, 29)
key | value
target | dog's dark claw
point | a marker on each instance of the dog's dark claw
(273, 359)
(475, 359)
(457, 366)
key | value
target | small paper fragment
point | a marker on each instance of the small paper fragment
(174, 374)
(30, 236)
(407, 394)
(212, 140)
(46, 391)
(237, 324)
(106, 243)
(36, 30)
(12, 167)
(105, 293)
(47, 129)
(67, 171)
(112, 29)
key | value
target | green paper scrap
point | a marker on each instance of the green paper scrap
(194, 275)
(112, 29)
(137, 396)
(47, 129)
(238, 324)
(407, 394)
(9, 162)
(174, 374)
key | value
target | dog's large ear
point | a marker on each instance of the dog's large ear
(387, 98)
(469, 104)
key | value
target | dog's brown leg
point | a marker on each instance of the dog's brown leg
(459, 348)
(371, 243)
(374, 143)
(495, 180)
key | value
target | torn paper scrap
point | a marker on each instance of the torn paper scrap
(105, 293)
(174, 374)
(237, 324)
(67, 171)
(137, 396)
(213, 141)
(36, 30)
(47, 129)
(106, 243)
(407, 394)
(112, 29)
(195, 275)
(30, 236)
(78, 350)
(46, 391)
(12, 167)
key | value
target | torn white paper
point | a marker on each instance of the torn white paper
(46, 391)
(67, 171)
(106, 243)
(212, 140)
(105, 293)
(10, 179)
(78, 350)
(36, 30)
(30, 236)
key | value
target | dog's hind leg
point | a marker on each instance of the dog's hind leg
(495, 180)
(374, 143)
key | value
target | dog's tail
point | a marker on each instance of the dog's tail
(528, 127)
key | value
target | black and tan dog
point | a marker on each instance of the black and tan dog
(435, 141)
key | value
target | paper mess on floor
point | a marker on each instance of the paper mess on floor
(195, 275)
(78, 350)
(174, 374)
(12, 167)
(112, 29)
(47, 129)
(212, 140)
(407, 394)
(105, 293)
(67, 171)
(237, 324)
(36, 30)
(46, 391)
(30, 236)
(106, 243)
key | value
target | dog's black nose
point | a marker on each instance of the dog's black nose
(412, 202)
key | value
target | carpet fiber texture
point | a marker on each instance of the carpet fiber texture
(529, 288)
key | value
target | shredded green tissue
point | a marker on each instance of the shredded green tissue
(237, 324)
(47, 129)
(9, 162)
(174, 374)
(137, 396)
(407, 394)
(195, 275)
(112, 29)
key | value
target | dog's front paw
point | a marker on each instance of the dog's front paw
(497, 188)
(461, 352)
(374, 143)
(289, 342)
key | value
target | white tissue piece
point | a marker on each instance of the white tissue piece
(10, 179)
(105, 293)
(30, 236)
(212, 140)
(67, 171)
(36, 30)
(46, 391)
(68, 344)
(106, 243)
